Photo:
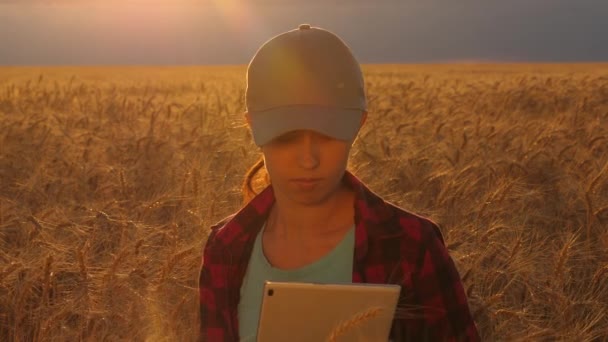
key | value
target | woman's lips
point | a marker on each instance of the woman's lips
(306, 183)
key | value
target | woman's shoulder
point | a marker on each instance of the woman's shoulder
(415, 225)
(222, 223)
(234, 230)
(217, 228)
(393, 219)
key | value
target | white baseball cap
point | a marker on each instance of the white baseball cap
(306, 78)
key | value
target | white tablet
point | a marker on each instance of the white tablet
(327, 312)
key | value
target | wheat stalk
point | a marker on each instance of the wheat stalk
(48, 274)
(353, 322)
(81, 255)
(599, 274)
(563, 255)
(8, 270)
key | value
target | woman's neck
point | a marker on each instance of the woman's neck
(288, 220)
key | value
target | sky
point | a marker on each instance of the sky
(200, 32)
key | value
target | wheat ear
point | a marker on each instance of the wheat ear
(353, 322)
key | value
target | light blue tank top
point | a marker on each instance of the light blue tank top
(335, 267)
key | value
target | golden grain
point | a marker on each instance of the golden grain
(109, 182)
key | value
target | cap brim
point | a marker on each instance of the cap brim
(338, 123)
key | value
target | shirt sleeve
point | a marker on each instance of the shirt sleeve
(441, 294)
(437, 308)
(212, 326)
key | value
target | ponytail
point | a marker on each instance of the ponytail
(250, 182)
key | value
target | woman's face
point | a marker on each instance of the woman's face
(306, 166)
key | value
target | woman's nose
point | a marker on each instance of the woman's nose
(308, 150)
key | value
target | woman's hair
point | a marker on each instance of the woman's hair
(252, 180)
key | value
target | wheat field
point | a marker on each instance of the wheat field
(111, 176)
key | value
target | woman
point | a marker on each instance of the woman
(315, 221)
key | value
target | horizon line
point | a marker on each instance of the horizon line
(446, 62)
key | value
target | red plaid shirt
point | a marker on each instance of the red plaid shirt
(391, 246)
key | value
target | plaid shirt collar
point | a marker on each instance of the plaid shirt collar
(371, 212)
